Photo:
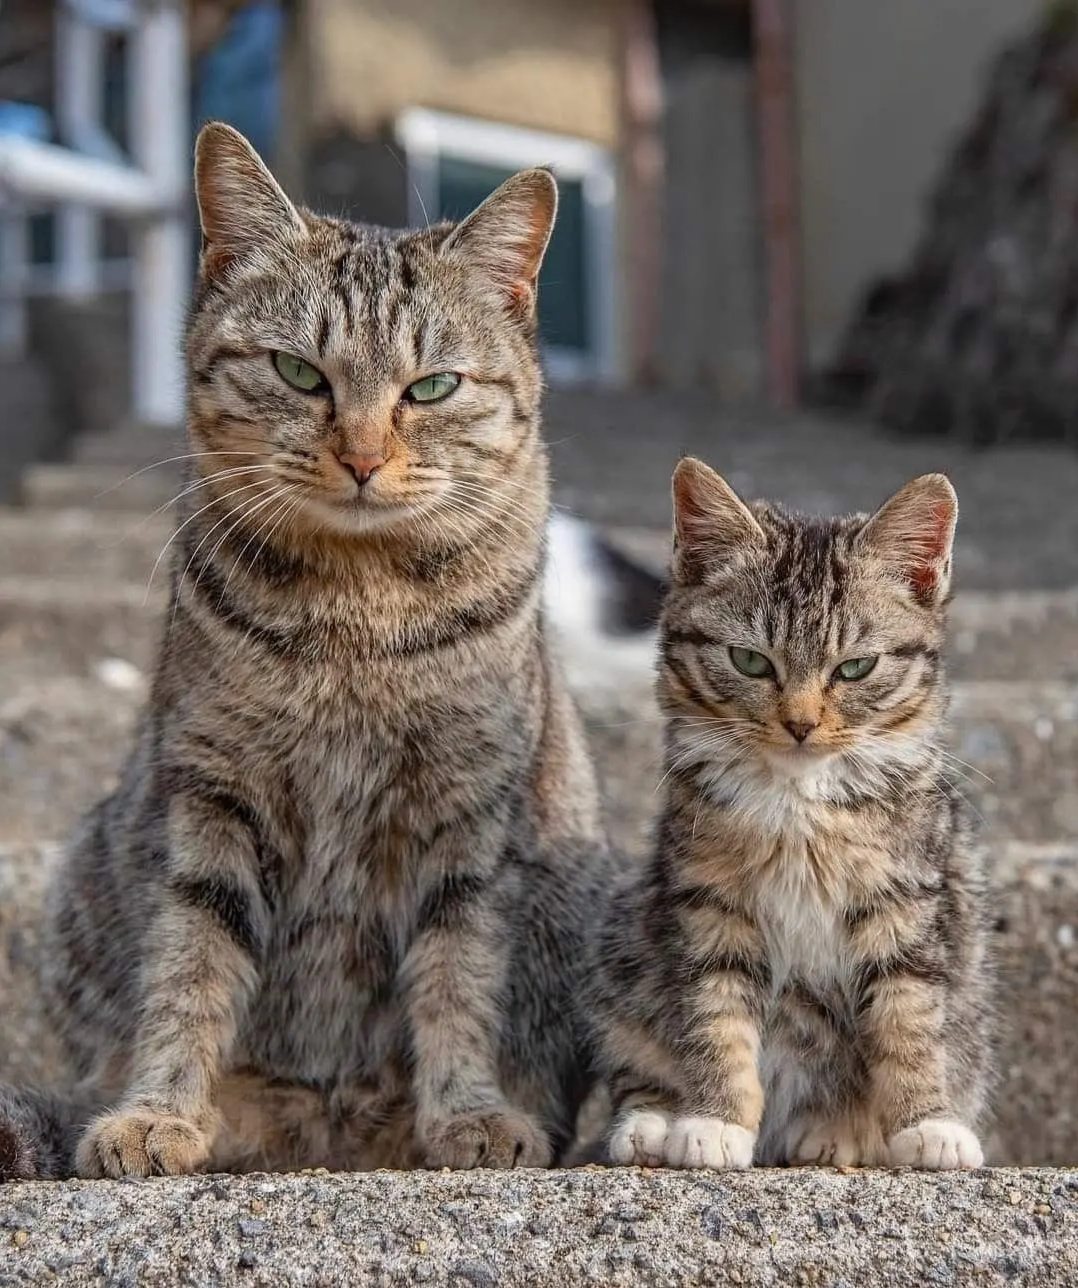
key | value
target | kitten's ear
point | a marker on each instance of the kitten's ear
(240, 204)
(914, 533)
(506, 237)
(711, 522)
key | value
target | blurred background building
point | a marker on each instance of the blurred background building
(734, 173)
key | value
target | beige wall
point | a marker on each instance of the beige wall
(885, 87)
(549, 65)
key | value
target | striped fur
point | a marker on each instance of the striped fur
(801, 976)
(335, 912)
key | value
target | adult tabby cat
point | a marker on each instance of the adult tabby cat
(335, 912)
(801, 977)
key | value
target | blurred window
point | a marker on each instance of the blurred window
(455, 162)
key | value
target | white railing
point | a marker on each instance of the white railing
(88, 176)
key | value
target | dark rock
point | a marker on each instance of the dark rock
(478, 1273)
(977, 335)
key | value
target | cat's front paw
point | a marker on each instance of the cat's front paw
(708, 1142)
(141, 1142)
(832, 1143)
(487, 1138)
(653, 1138)
(936, 1144)
(639, 1139)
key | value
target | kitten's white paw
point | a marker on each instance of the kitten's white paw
(708, 1142)
(937, 1144)
(640, 1139)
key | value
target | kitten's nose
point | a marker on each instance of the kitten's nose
(363, 466)
(800, 728)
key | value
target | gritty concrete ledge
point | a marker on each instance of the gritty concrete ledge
(540, 1229)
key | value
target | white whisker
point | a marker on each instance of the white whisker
(245, 487)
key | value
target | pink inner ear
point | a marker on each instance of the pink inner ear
(689, 513)
(941, 512)
(923, 579)
(924, 576)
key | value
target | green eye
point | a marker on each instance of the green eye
(433, 388)
(299, 374)
(856, 668)
(751, 663)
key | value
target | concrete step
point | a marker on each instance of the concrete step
(61, 627)
(62, 743)
(98, 487)
(130, 449)
(524, 1229)
(613, 454)
(105, 546)
(1017, 635)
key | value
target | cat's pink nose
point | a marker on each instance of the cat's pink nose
(800, 728)
(362, 466)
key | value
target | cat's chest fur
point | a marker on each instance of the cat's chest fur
(803, 856)
(362, 780)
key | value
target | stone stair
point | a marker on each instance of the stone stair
(80, 619)
(810, 1228)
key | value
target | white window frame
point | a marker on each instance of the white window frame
(426, 135)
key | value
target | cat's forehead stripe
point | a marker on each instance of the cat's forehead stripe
(805, 582)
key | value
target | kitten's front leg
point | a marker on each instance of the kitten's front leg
(715, 1119)
(454, 975)
(905, 1022)
(199, 969)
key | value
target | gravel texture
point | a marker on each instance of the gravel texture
(548, 1230)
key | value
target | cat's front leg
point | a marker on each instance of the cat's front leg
(906, 1025)
(454, 981)
(199, 968)
(714, 1119)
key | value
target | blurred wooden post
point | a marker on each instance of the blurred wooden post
(773, 43)
(642, 121)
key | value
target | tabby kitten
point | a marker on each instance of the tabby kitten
(336, 911)
(801, 976)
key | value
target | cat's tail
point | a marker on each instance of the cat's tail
(39, 1132)
(602, 605)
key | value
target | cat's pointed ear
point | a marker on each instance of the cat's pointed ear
(913, 534)
(506, 237)
(241, 205)
(711, 522)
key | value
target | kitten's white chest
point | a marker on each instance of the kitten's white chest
(802, 928)
(799, 901)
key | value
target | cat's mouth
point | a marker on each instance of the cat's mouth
(795, 758)
(364, 511)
